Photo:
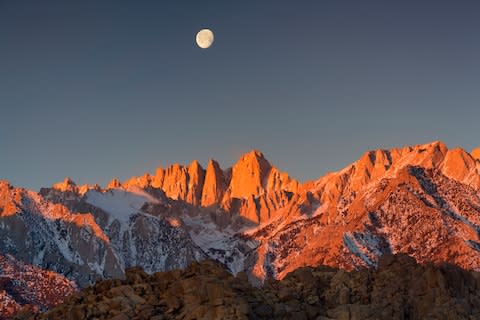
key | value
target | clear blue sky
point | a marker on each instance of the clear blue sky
(98, 89)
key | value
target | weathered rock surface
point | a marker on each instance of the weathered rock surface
(95, 243)
(398, 289)
(28, 286)
(476, 153)
(214, 185)
(252, 188)
(422, 200)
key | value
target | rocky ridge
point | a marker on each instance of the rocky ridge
(399, 289)
(90, 243)
(422, 200)
(24, 286)
(252, 187)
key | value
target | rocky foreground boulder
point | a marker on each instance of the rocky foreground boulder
(399, 289)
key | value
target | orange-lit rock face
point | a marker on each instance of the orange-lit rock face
(85, 188)
(196, 178)
(256, 190)
(374, 165)
(10, 199)
(142, 181)
(460, 165)
(175, 182)
(87, 220)
(281, 181)
(476, 153)
(214, 185)
(258, 186)
(248, 209)
(253, 175)
(157, 180)
(66, 185)
(115, 183)
(249, 175)
(421, 200)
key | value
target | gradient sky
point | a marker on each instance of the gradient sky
(99, 89)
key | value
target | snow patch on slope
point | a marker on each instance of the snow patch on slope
(218, 244)
(119, 203)
(365, 246)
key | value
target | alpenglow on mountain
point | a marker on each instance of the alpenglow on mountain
(423, 201)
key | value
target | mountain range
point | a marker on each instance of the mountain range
(423, 201)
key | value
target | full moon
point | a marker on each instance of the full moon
(205, 38)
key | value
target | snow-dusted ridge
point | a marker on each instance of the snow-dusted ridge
(420, 200)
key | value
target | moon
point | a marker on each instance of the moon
(205, 38)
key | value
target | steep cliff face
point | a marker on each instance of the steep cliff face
(461, 166)
(214, 186)
(115, 183)
(476, 153)
(196, 180)
(249, 176)
(177, 181)
(252, 187)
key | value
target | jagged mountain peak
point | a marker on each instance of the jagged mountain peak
(375, 164)
(213, 164)
(5, 184)
(114, 183)
(214, 184)
(10, 199)
(253, 154)
(431, 152)
(476, 153)
(254, 159)
(458, 164)
(66, 185)
(422, 200)
(195, 164)
(336, 189)
(141, 181)
(249, 175)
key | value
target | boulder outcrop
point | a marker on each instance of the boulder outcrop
(399, 289)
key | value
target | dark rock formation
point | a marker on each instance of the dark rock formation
(399, 289)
